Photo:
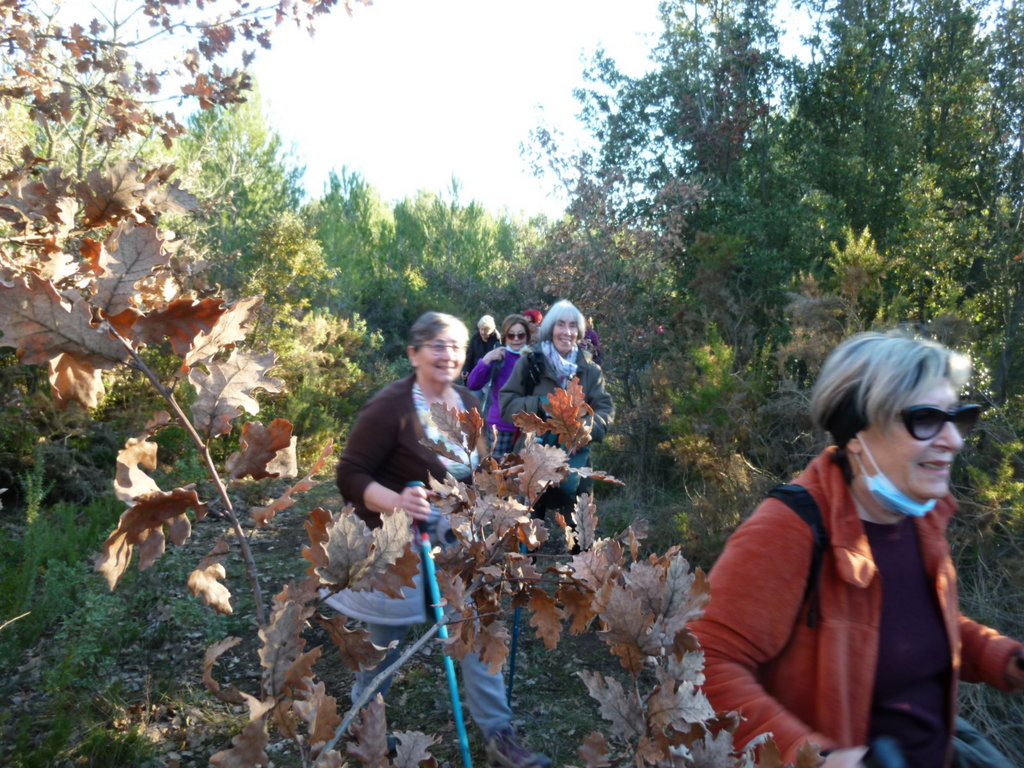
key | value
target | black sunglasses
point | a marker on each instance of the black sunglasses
(511, 335)
(924, 422)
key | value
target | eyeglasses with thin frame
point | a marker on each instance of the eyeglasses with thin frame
(924, 422)
(437, 347)
(511, 335)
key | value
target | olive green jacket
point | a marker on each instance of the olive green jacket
(518, 395)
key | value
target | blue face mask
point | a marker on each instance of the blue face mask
(888, 495)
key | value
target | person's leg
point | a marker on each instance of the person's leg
(382, 635)
(485, 695)
(504, 444)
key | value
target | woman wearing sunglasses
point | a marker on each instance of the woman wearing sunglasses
(494, 368)
(887, 644)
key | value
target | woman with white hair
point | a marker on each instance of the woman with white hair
(834, 620)
(551, 364)
(483, 341)
(491, 372)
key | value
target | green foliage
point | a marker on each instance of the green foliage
(323, 360)
(999, 487)
(46, 569)
(705, 405)
(103, 748)
(424, 253)
(231, 158)
(290, 268)
(88, 649)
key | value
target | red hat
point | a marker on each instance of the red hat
(534, 315)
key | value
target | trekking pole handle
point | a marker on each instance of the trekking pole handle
(431, 522)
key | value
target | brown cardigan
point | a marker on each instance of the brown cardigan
(815, 683)
(384, 447)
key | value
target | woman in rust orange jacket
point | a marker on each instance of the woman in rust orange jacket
(888, 644)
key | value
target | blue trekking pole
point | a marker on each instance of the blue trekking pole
(430, 577)
(514, 646)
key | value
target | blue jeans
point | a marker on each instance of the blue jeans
(485, 693)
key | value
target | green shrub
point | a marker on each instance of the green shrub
(47, 564)
(105, 748)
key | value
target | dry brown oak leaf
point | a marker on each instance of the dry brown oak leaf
(543, 465)
(462, 427)
(181, 321)
(546, 617)
(491, 643)
(320, 713)
(622, 709)
(75, 381)
(259, 447)
(567, 410)
(414, 750)
(224, 392)
(231, 327)
(142, 525)
(584, 518)
(369, 744)
(361, 559)
(42, 327)
(577, 603)
(204, 582)
(627, 624)
(127, 256)
(38, 206)
(229, 693)
(356, 649)
(248, 748)
(130, 482)
(500, 515)
(594, 751)
(119, 192)
(263, 515)
(316, 529)
(287, 667)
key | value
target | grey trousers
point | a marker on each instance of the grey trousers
(485, 693)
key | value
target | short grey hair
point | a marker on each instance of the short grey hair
(430, 324)
(487, 321)
(870, 377)
(561, 310)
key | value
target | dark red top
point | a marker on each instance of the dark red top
(910, 701)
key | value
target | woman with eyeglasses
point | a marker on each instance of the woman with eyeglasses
(874, 644)
(494, 368)
(384, 467)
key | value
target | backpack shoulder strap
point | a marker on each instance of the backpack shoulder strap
(798, 499)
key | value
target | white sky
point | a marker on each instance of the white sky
(411, 93)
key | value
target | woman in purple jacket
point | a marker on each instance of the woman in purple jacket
(493, 369)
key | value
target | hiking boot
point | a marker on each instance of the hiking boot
(503, 751)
